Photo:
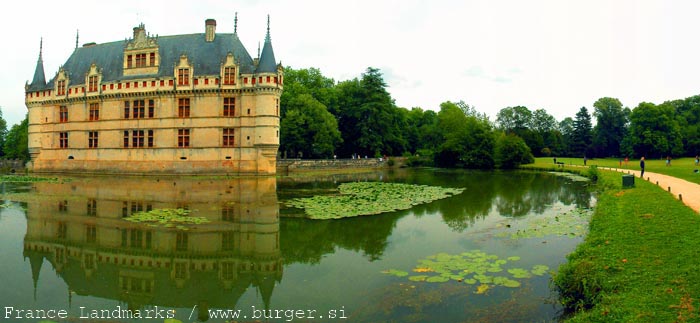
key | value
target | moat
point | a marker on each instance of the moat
(65, 246)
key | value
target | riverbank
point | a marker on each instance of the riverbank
(639, 260)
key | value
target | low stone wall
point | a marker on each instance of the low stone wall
(11, 166)
(294, 165)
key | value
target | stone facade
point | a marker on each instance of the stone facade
(183, 104)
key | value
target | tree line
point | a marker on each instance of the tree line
(322, 118)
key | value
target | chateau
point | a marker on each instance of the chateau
(183, 104)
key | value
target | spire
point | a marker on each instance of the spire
(235, 24)
(39, 80)
(258, 50)
(267, 37)
(267, 63)
(77, 36)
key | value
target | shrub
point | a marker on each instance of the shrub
(511, 152)
(593, 173)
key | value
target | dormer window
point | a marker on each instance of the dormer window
(183, 76)
(140, 60)
(129, 60)
(92, 83)
(152, 61)
(229, 75)
(61, 87)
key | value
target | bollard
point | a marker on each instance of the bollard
(657, 183)
(669, 189)
(680, 197)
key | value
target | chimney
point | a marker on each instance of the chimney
(140, 31)
(210, 30)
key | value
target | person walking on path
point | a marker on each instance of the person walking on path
(668, 160)
(641, 165)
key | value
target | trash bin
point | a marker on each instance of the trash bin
(628, 180)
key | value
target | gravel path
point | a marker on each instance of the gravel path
(680, 188)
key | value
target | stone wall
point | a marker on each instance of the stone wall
(295, 165)
(11, 166)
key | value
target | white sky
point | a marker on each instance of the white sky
(554, 54)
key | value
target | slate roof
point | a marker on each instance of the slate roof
(267, 63)
(205, 56)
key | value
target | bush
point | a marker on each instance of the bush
(511, 152)
(390, 162)
(593, 173)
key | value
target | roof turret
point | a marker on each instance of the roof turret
(267, 62)
(39, 80)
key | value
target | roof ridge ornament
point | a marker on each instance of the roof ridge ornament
(235, 24)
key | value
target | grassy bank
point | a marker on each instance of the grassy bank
(639, 262)
(682, 168)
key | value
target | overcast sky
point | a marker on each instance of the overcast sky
(557, 55)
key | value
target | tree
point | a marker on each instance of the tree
(308, 129)
(511, 151)
(369, 121)
(3, 134)
(307, 81)
(566, 128)
(582, 133)
(611, 126)
(654, 130)
(16, 145)
(468, 141)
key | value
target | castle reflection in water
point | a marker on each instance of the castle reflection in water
(78, 227)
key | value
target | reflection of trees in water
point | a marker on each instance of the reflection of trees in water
(306, 241)
(521, 193)
(514, 194)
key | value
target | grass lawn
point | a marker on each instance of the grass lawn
(640, 261)
(681, 168)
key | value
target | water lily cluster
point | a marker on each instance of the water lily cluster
(366, 198)
(470, 267)
(169, 218)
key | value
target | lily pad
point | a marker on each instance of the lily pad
(367, 198)
(539, 270)
(418, 278)
(519, 273)
(394, 272)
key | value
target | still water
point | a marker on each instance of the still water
(65, 249)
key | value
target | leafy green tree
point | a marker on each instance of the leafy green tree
(654, 131)
(688, 116)
(566, 128)
(467, 140)
(582, 133)
(16, 145)
(369, 121)
(511, 151)
(3, 134)
(611, 126)
(307, 81)
(308, 129)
